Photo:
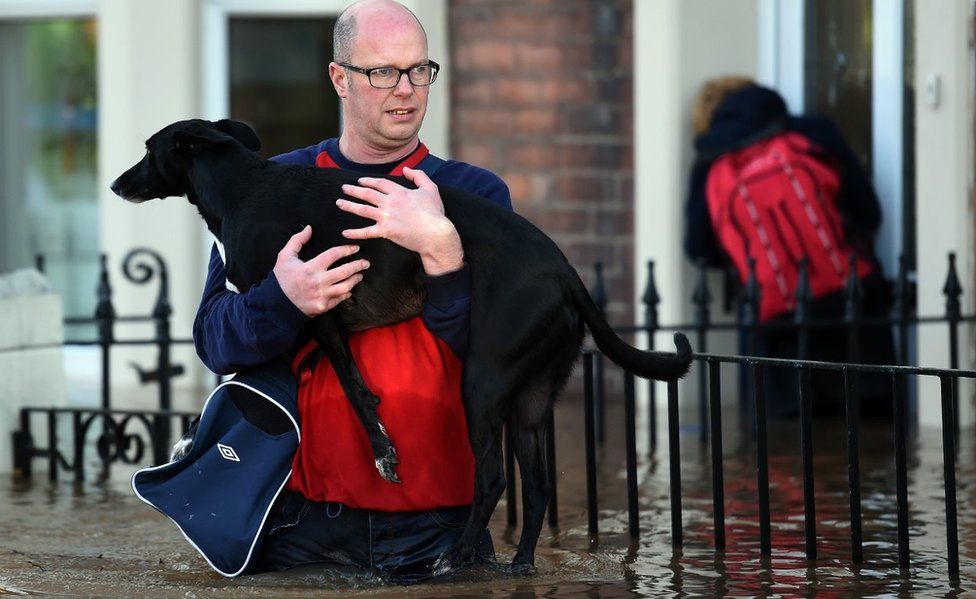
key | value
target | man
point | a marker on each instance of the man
(336, 510)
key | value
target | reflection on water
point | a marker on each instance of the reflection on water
(101, 541)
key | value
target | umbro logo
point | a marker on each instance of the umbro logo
(227, 452)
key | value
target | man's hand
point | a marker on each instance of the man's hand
(411, 218)
(314, 286)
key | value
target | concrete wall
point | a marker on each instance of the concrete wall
(31, 362)
(148, 66)
(680, 44)
(944, 167)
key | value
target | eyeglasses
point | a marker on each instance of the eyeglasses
(420, 75)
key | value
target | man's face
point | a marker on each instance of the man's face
(383, 118)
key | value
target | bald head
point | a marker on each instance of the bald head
(365, 16)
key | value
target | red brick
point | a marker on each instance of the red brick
(490, 55)
(532, 156)
(539, 55)
(562, 90)
(481, 155)
(559, 220)
(584, 254)
(536, 120)
(519, 186)
(617, 224)
(514, 25)
(467, 90)
(580, 188)
(520, 92)
(484, 121)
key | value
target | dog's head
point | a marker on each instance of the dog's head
(162, 172)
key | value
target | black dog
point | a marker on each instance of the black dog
(528, 304)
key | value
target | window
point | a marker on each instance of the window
(838, 68)
(48, 155)
(279, 80)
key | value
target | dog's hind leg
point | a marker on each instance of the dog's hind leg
(334, 340)
(484, 433)
(532, 452)
(544, 368)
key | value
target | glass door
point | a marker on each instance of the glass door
(837, 69)
(48, 154)
(852, 61)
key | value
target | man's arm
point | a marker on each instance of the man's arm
(233, 331)
(415, 220)
(447, 312)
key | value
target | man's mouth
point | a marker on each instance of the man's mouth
(400, 111)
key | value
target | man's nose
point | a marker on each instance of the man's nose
(403, 86)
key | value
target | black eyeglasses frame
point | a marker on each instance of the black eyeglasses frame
(401, 72)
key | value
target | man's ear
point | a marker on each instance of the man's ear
(340, 79)
(196, 138)
(242, 132)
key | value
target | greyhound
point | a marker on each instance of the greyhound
(528, 304)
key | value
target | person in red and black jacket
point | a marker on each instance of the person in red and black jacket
(732, 113)
(336, 510)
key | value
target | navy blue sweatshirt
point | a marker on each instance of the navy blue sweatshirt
(235, 331)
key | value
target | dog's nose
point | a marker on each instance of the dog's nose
(116, 187)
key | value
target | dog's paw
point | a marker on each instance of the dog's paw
(185, 444)
(521, 569)
(387, 464)
(443, 565)
(181, 448)
(451, 560)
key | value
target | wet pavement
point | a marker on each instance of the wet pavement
(99, 540)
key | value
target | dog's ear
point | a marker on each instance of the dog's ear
(242, 132)
(196, 137)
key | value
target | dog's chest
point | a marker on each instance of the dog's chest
(223, 256)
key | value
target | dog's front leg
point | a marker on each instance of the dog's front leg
(333, 338)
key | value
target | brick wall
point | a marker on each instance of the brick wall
(541, 94)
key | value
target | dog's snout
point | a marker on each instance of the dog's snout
(117, 186)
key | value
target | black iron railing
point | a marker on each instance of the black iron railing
(112, 433)
(113, 444)
(116, 443)
(141, 266)
(757, 367)
(747, 325)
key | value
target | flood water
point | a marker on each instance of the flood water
(99, 540)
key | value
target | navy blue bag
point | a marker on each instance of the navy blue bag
(219, 494)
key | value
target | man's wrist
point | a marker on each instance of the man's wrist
(443, 255)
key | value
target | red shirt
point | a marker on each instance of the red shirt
(418, 380)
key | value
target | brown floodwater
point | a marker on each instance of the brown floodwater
(99, 540)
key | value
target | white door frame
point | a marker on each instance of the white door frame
(781, 40)
(887, 127)
(40, 9)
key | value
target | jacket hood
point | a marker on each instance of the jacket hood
(745, 116)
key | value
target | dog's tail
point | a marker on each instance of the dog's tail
(662, 366)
